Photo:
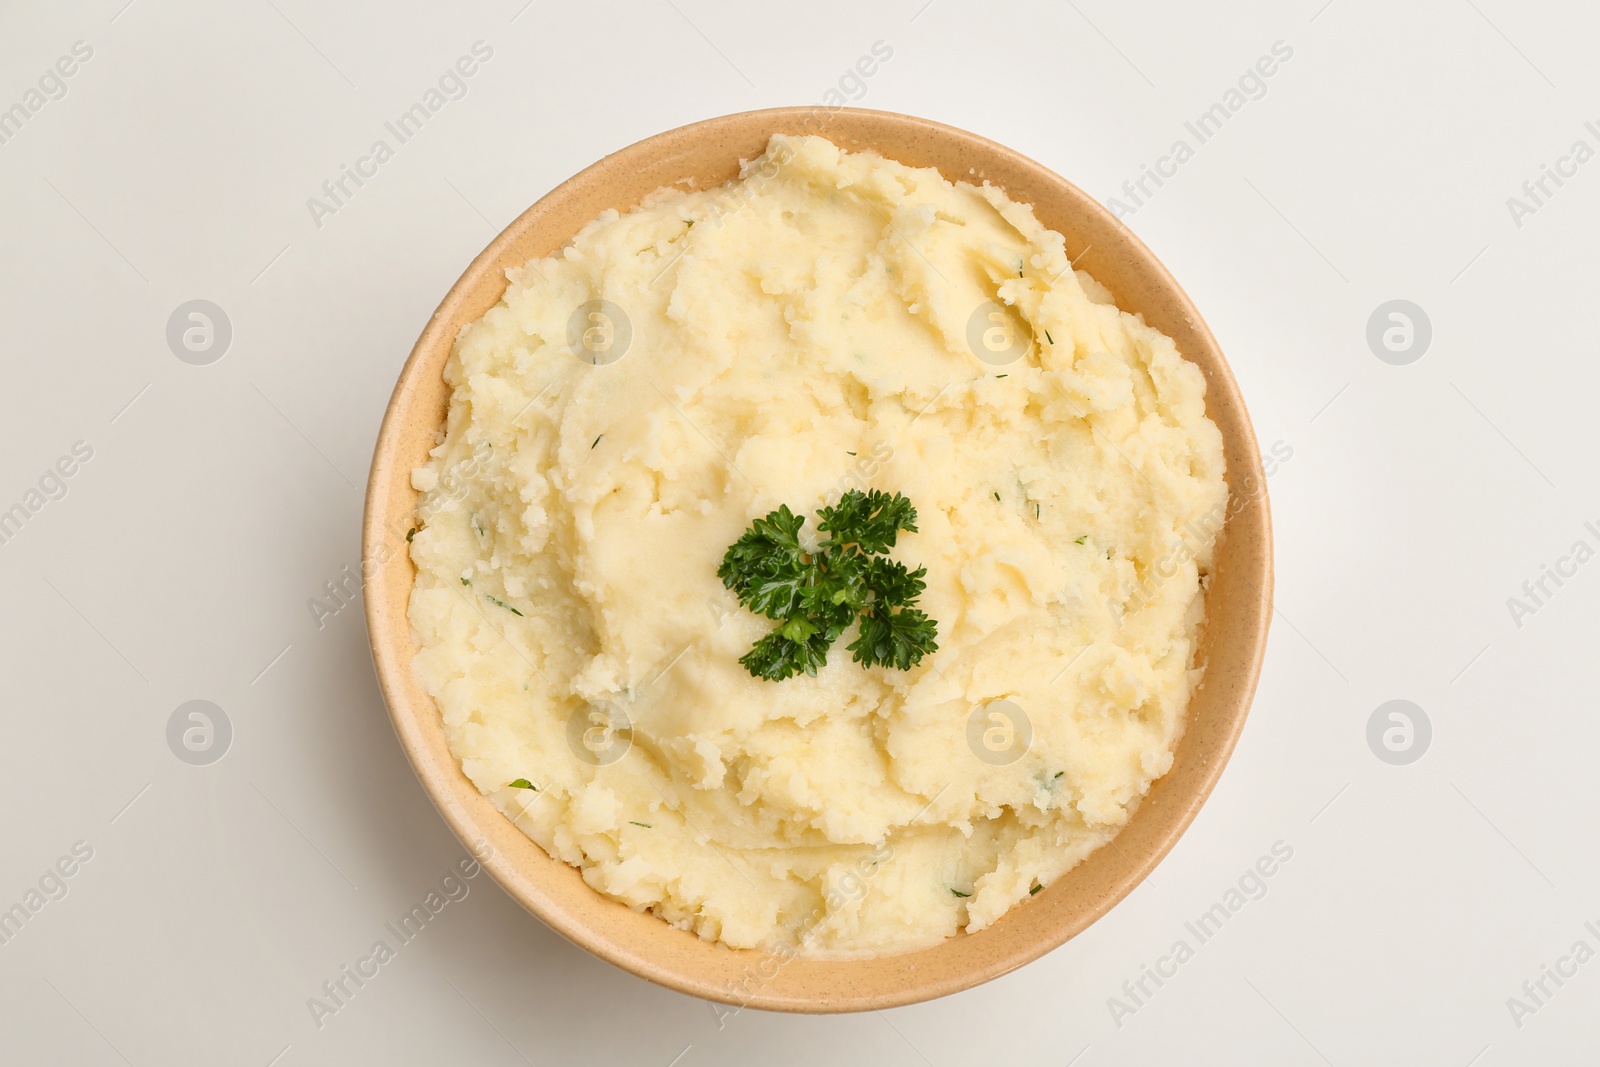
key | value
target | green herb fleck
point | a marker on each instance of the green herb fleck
(1081, 540)
(503, 604)
(959, 893)
(1002, 375)
(522, 783)
(597, 440)
(997, 496)
(1019, 270)
(1059, 774)
(646, 825)
(410, 534)
(816, 595)
(849, 453)
(1036, 510)
(464, 581)
(1035, 889)
(688, 222)
(1047, 337)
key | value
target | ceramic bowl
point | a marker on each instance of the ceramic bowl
(1238, 601)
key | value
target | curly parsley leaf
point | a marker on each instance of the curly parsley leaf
(869, 520)
(891, 582)
(895, 638)
(766, 568)
(777, 656)
(817, 595)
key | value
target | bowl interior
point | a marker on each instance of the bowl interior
(1233, 638)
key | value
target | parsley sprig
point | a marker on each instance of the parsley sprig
(816, 595)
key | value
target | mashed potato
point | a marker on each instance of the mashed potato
(830, 321)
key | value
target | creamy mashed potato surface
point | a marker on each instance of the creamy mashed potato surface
(832, 320)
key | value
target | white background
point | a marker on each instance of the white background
(220, 498)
